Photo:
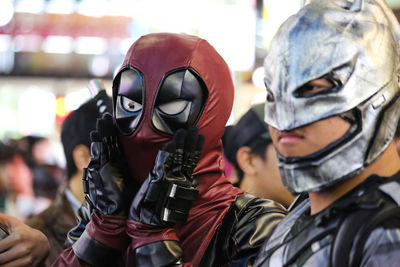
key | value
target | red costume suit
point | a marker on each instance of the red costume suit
(167, 82)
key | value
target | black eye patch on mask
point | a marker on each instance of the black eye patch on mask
(180, 100)
(129, 102)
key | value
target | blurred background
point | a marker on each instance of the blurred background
(51, 49)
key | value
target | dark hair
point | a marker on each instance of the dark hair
(251, 131)
(76, 131)
(257, 147)
(7, 153)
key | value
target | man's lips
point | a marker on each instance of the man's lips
(289, 137)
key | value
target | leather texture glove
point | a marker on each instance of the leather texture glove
(109, 190)
(106, 181)
(164, 200)
(166, 196)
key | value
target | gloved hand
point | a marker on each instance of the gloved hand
(109, 190)
(164, 200)
(106, 180)
(165, 197)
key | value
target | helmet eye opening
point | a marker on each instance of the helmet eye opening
(270, 95)
(321, 86)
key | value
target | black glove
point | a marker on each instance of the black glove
(166, 196)
(106, 181)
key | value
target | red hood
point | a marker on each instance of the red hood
(157, 54)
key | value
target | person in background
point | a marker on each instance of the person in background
(21, 178)
(21, 246)
(333, 105)
(248, 146)
(48, 172)
(60, 217)
(7, 192)
(171, 99)
(42, 157)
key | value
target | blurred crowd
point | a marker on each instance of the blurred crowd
(31, 170)
(152, 176)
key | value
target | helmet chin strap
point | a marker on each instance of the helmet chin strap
(325, 167)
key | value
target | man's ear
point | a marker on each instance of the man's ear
(81, 156)
(244, 160)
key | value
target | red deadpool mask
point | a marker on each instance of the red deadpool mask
(165, 85)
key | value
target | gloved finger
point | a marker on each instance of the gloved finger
(105, 126)
(179, 138)
(191, 139)
(200, 143)
(169, 147)
(175, 148)
(192, 158)
(94, 136)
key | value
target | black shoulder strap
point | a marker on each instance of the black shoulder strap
(353, 232)
(344, 239)
(380, 218)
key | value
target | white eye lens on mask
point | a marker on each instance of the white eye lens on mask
(173, 107)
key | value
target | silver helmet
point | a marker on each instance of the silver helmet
(355, 45)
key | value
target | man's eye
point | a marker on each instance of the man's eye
(318, 86)
(173, 107)
(130, 105)
(310, 89)
(270, 96)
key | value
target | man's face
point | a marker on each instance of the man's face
(4, 178)
(313, 137)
